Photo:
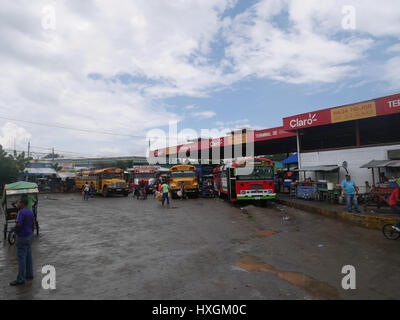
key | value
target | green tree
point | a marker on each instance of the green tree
(56, 167)
(11, 166)
(124, 164)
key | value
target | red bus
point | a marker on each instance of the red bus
(146, 174)
(247, 179)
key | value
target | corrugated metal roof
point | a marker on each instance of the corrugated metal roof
(382, 164)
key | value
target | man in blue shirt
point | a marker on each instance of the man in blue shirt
(24, 230)
(350, 190)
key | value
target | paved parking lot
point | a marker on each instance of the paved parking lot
(123, 248)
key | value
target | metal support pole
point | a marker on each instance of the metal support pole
(298, 152)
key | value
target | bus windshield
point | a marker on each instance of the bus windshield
(183, 174)
(109, 175)
(144, 175)
(259, 173)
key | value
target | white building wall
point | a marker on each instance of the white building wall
(355, 158)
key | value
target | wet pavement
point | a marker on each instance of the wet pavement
(123, 248)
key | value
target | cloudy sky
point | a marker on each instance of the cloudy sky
(117, 69)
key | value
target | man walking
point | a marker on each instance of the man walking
(24, 230)
(165, 190)
(350, 190)
(133, 189)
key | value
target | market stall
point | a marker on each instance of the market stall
(324, 184)
(383, 185)
(290, 176)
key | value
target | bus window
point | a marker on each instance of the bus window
(183, 174)
(264, 173)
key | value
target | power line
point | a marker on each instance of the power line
(74, 129)
(57, 150)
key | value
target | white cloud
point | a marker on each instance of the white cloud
(190, 107)
(236, 123)
(204, 114)
(12, 135)
(45, 72)
(297, 53)
(394, 49)
(164, 49)
(109, 151)
(392, 73)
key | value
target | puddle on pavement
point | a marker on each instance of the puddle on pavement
(316, 288)
(265, 234)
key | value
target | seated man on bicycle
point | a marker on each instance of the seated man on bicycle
(394, 203)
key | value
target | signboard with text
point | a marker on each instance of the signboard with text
(353, 112)
(307, 120)
(388, 105)
(274, 133)
(367, 109)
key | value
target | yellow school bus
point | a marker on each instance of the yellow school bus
(186, 174)
(106, 181)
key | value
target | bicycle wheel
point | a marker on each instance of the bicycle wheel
(390, 233)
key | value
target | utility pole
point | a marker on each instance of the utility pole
(52, 153)
(29, 148)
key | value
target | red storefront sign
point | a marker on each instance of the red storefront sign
(372, 108)
(218, 142)
(388, 105)
(158, 153)
(307, 120)
(190, 147)
(274, 133)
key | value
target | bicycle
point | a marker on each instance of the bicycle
(390, 233)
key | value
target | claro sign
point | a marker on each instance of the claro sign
(307, 120)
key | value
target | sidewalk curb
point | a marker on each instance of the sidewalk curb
(362, 220)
